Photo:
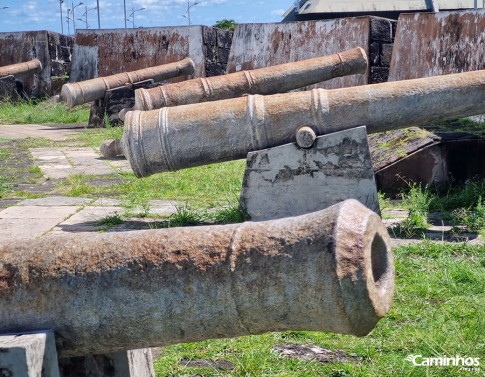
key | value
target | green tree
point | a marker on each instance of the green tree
(226, 24)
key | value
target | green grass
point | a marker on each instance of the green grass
(462, 205)
(438, 311)
(41, 112)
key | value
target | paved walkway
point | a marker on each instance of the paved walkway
(55, 215)
(57, 132)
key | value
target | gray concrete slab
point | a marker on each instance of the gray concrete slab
(58, 163)
(86, 220)
(56, 201)
(28, 355)
(38, 212)
(56, 132)
(288, 181)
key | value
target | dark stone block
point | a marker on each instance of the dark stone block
(223, 55)
(214, 69)
(210, 53)
(8, 89)
(57, 68)
(378, 74)
(209, 36)
(380, 30)
(114, 101)
(224, 38)
(374, 53)
(386, 55)
(66, 53)
(394, 28)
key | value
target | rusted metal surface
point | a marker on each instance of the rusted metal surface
(179, 137)
(431, 44)
(91, 90)
(270, 80)
(262, 45)
(330, 270)
(106, 52)
(20, 69)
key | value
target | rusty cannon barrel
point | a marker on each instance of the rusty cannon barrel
(21, 69)
(90, 90)
(270, 80)
(175, 138)
(330, 270)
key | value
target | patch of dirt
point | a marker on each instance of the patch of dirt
(312, 352)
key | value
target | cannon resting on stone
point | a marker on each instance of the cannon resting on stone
(330, 270)
(74, 94)
(21, 69)
(275, 79)
(173, 138)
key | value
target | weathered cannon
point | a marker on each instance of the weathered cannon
(270, 80)
(330, 270)
(20, 69)
(90, 90)
(179, 137)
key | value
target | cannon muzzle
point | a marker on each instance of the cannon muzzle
(21, 69)
(90, 90)
(276, 79)
(330, 270)
(179, 137)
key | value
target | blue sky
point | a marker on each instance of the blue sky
(22, 15)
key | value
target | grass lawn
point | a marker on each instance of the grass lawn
(438, 310)
(41, 112)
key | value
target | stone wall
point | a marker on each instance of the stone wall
(52, 49)
(382, 34)
(432, 44)
(262, 45)
(107, 52)
(217, 45)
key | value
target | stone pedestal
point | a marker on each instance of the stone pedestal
(28, 355)
(35, 355)
(289, 181)
(135, 363)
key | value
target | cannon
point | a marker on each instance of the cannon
(21, 69)
(330, 270)
(74, 94)
(173, 138)
(270, 80)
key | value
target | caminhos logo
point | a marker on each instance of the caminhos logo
(465, 362)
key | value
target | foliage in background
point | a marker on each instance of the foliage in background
(462, 205)
(41, 112)
(226, 24)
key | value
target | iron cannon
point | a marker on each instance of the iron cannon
(20, 69)
(270, 80)
(74, 94)
(173, 138)
(330, 270)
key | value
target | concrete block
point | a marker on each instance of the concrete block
(28, 355)
(135, 363)
(379, 74)
(380, 29)
(289, 181)
(386, 54)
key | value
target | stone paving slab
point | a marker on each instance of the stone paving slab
(58, 163)
(56, 132)
(32, 218)
(56, 201)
